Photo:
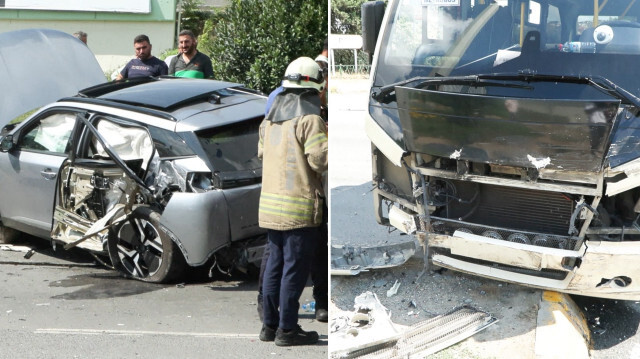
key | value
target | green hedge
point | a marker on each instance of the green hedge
(253, 41)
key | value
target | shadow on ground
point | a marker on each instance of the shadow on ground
(611, 321)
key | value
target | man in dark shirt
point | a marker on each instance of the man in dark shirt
(144, 64)
(190, 62)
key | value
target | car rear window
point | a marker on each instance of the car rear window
(233, 147)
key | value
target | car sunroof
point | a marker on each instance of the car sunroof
(166, 93)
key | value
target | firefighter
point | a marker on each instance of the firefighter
(293, 147)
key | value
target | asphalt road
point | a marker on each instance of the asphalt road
(614, 324)
(63, 305)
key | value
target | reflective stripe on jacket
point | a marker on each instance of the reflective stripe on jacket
(294, 156)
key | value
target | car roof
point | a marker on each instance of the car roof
(164, 93)
(192, 103)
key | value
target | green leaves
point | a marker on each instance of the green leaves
(253, 41)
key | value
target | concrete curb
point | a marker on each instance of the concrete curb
(562, 330)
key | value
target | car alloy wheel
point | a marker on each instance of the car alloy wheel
(141, 248)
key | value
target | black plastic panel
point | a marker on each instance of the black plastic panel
(572, 134)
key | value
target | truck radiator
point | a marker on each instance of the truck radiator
(511, 210)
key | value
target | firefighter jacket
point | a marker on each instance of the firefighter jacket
(293, 147)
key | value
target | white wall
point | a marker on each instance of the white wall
(110, 41)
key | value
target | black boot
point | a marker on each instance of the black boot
(267, 334)
(296, 336)
(322, 315)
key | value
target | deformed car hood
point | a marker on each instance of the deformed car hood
(39, 66)
(563, 134)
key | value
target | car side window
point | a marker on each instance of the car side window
(50, 134)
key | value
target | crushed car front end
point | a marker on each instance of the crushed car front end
(156, 188)
(506, 137)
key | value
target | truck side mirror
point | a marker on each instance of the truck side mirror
(7, 143)
(372, 14)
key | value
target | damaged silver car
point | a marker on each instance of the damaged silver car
(157, 174)
(506, 136)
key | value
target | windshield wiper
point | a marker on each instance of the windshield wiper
(600, 83)
(388, 89)
(476, 80)
(616, 91)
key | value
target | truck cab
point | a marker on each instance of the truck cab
(505, 136)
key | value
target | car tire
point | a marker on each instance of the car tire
(141, 248)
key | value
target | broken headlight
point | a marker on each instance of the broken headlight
(199, 181)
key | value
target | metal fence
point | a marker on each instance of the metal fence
(351, 70)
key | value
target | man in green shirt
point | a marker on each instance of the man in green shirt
(190, 62)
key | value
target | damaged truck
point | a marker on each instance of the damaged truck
(506, 136)
(152, 175)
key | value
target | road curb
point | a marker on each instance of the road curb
(562, 330)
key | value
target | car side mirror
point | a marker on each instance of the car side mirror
(7, 143)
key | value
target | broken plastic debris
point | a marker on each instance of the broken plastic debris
(383, 338)
(354, 270)
(369, 318)
(394, 290)
(539, 163)
(360, 319)
(348, 260)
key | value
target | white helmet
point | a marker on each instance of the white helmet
(303, 72)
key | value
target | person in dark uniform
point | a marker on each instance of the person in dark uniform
(293, 146)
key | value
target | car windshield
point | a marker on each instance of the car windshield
(442, 38)
(232, 148)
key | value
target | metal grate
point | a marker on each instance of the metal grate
(448, 226)
(432, 335)
(515, 208)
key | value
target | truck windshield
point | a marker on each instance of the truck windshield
(442, 38)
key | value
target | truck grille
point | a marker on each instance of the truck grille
(514, 208)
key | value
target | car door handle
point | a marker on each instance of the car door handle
(48, 174)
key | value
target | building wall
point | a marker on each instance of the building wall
(110, 34)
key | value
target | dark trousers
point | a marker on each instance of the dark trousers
(285, 275)
(319, 271)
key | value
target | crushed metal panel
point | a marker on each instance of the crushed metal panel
(548, 132)
(347, 260)
(402, 220)
(504, 252)
(623, 177)
(369, 332)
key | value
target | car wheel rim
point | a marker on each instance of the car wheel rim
(139, 248)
